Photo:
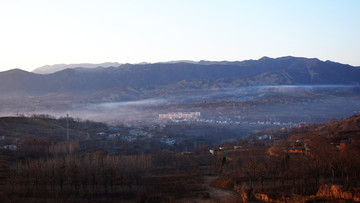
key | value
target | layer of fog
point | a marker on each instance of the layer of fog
(116, 105)
(289, 90)
(329, 102)
(325, 102)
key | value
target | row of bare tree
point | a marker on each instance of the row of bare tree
(300, 173)
(79, 173)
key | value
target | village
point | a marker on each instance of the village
(195, 117)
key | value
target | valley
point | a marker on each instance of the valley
(201, 132)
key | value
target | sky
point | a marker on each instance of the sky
(46, 32)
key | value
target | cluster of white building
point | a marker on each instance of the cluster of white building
(180, 115)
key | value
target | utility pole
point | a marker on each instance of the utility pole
(67, 127)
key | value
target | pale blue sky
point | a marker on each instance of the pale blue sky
(40, 32)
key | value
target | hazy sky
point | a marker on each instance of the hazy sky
(39, 32)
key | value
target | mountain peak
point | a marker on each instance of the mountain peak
(265, 58)
(16, 72)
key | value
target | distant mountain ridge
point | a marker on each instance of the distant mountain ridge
(265, 71)
(48, 69)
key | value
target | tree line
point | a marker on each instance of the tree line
(83, 173)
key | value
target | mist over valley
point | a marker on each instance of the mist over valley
(246, 96)
(309, 90)
(248, 130)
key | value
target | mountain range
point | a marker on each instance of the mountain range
(265, 71)
(48, 69)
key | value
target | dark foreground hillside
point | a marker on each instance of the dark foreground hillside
(310, 163)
